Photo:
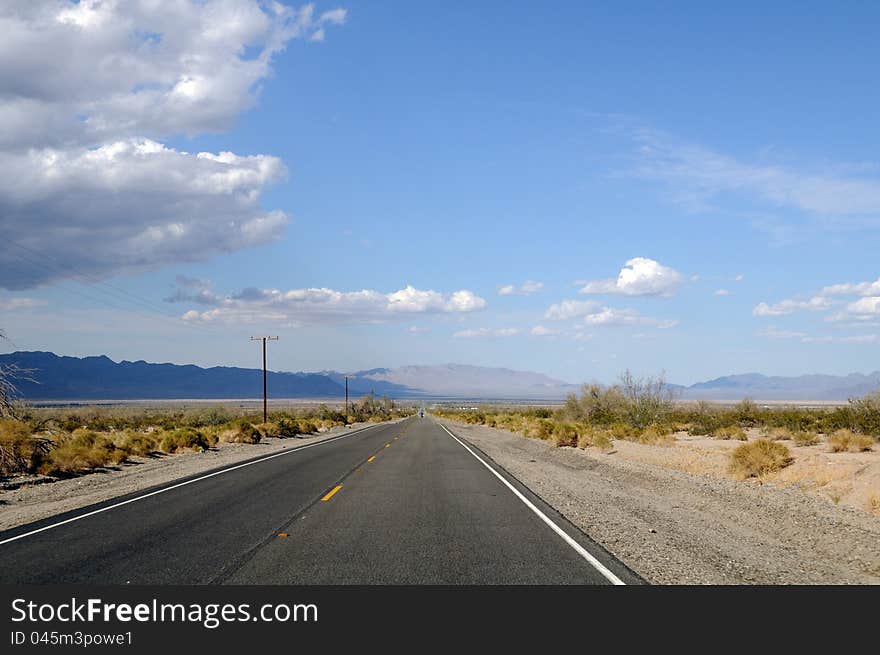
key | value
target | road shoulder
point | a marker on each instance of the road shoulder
(680, 528)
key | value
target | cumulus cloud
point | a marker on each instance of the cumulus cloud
(640, 276)
(128, 205)
(90, 88)
(486, 333)
(527, 288)
(722, 292)
(321, 306)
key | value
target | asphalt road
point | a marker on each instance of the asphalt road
(398, 503)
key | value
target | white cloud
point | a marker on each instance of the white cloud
(90, 88)
(321, 306)
(722, 292)
(866, 308)
(416, 330)
(739, 278)
(848, 289)
(568, 309)
(814, 304)
(527, 288)
(128, 205)
(542, 331)
(609, 316)
(639, 277)
(486, 333)
(699, 174)
(11, 304)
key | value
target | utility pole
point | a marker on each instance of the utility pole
(347, 378)
(265, 397)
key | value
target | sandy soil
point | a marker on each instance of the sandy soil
(27, 499)
(672, 514)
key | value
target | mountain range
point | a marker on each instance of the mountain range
(55, 377)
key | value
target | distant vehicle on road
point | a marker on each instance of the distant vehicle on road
(422, 412)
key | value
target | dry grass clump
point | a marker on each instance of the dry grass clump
(565, 434)
(82, 450)
(183, 439)
(656, 435)
(779, 434)
(804, 438)
(20, 451)
(758, 458)
(730, 432)
(848, 441)
(241, 432)
(137, 443)
(596, 437)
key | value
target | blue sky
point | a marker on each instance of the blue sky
(697, 178)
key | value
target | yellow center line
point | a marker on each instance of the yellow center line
(388, 445)
(332, 491)
(372, 458)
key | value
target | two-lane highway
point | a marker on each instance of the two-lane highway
(396, 503)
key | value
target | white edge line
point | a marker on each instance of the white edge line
(183, 484)
(601, 568)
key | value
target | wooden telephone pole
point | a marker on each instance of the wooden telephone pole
(265, 397)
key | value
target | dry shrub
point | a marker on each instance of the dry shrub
(657, 435)
(306, 426)
(730, 432)
(598, 438)
(779, 434)
(81, 451)
(804, 438)
(20, 451)
(241, 432)
(565, 434)
(758, 458)
(270, 429)
(623, 431)
(182, 439)
(137, 443)
(848, 441)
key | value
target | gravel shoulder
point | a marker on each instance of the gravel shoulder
(678, 527)
(24, 500)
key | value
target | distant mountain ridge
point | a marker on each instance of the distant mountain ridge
(100, 378)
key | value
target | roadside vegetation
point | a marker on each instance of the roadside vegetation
(63, 442)
(647, 411)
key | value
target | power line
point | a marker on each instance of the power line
(115, 293)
